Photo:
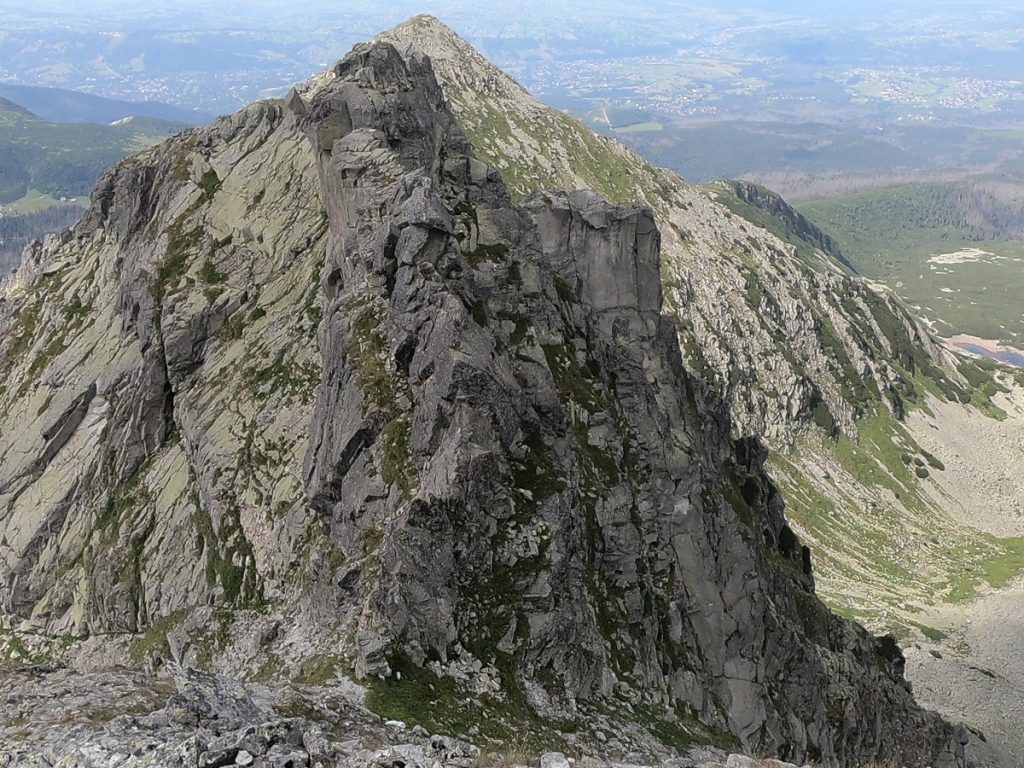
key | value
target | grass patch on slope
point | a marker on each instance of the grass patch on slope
(882, 548)
(417, 696)
(505, 723)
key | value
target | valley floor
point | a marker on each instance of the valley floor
(980, 680)
(975, 673)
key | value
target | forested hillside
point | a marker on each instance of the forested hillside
(18, 231)
(954, 251)
(65, 160)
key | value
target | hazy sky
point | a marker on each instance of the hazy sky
(70, 43)
(254, 12)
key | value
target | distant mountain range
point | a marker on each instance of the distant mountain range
(61, 105)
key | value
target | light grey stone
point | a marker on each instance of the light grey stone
(554, 760)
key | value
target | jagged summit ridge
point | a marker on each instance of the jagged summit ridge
(821, 364)
(540, 371)
(782, 335)
(491, 462)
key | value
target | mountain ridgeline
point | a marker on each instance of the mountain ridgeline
(60, 105)
(346, 383)
(775, 321)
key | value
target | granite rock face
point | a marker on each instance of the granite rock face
(810, 357)
(146, 383)
(490, 460)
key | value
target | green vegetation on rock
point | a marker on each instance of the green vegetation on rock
(384, 389)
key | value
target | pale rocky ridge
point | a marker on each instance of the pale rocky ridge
(187, 473)
(779, 218)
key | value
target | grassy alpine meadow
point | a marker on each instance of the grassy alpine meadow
(959, 277)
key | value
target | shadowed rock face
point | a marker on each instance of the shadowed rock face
(781, 332)
(495, 464)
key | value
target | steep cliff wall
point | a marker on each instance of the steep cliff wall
(785, 334)
(822, 364)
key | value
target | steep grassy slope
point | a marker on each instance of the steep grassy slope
(820, 362)
(769, 211)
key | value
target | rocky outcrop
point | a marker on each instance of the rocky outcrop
(818, 362)
(183, 717)
(790, 225)
(492, 463)
(180, 718)
(503, 399)
(141, 353)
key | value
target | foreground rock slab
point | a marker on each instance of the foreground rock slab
(53, 716)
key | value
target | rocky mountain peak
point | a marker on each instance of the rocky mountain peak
(523, 419)
(766, 306)
(308, 386)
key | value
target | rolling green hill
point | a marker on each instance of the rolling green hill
(65, 160)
